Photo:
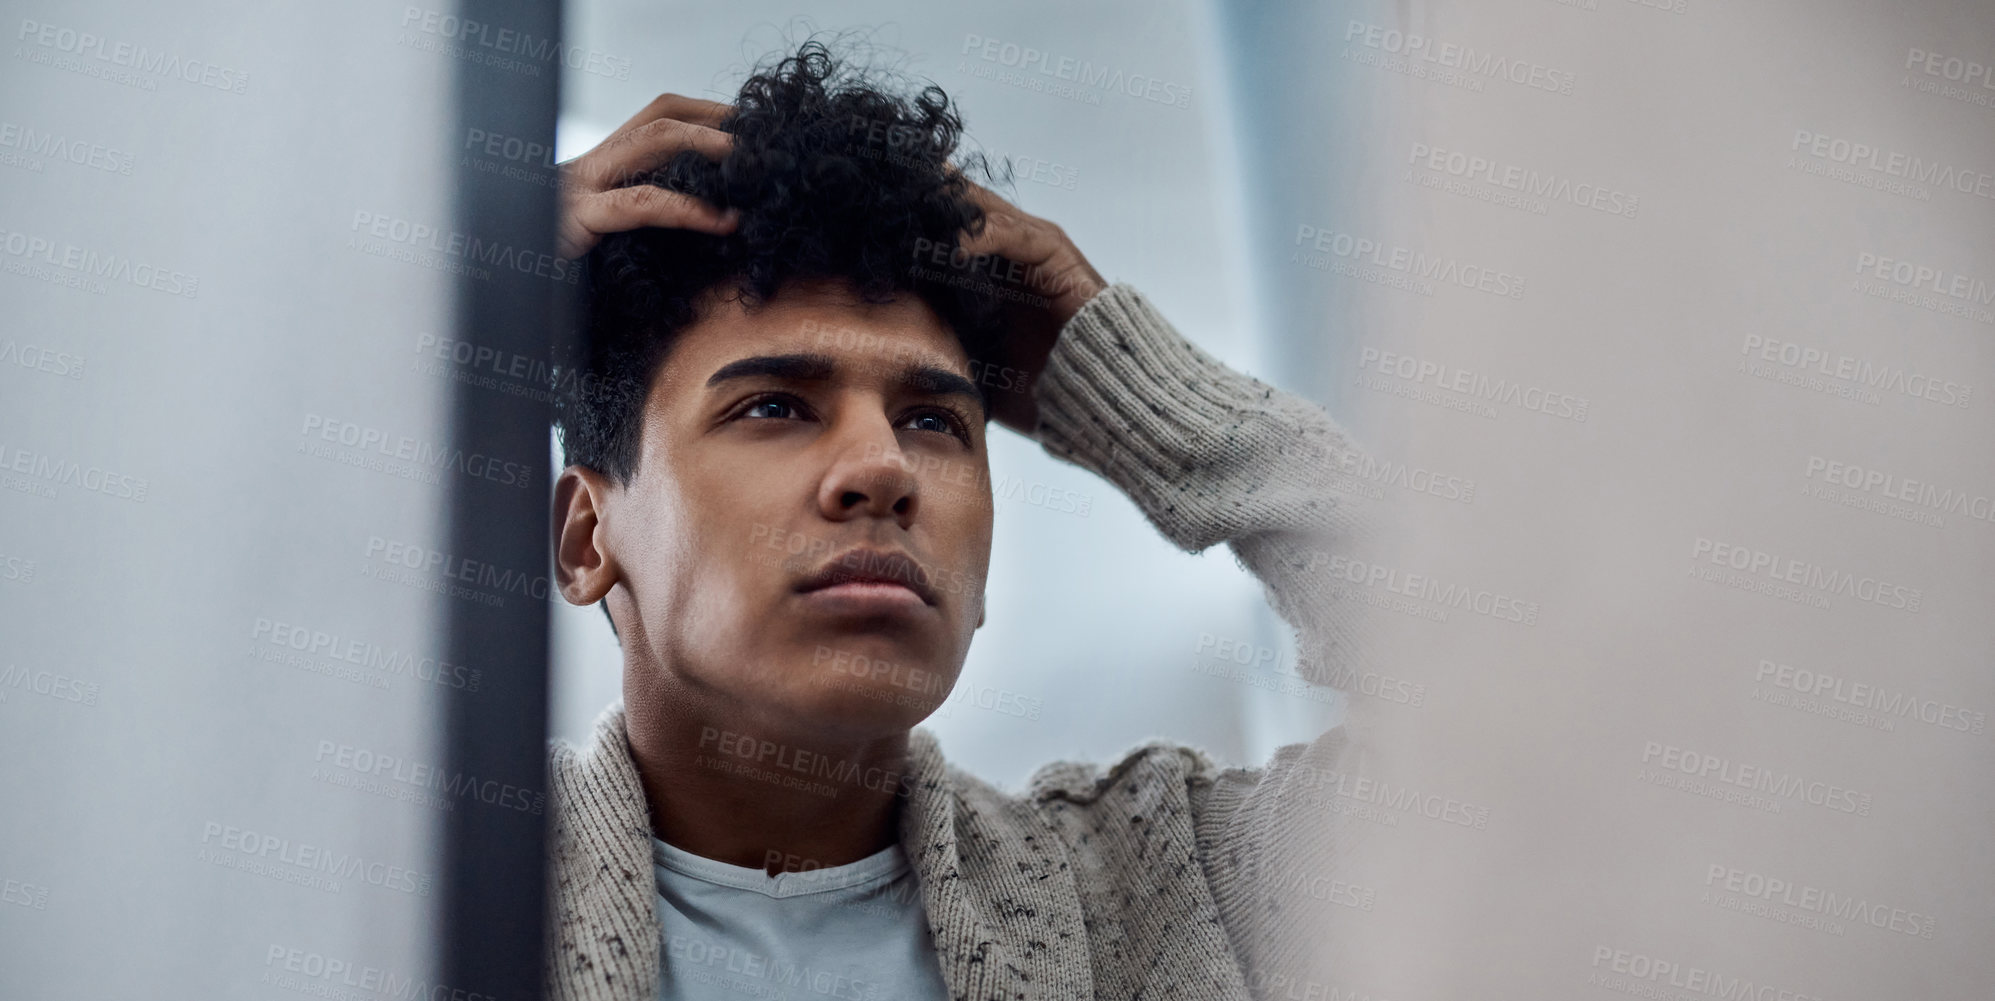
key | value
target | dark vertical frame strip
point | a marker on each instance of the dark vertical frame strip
(490, 940)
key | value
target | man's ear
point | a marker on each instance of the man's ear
(583, 566)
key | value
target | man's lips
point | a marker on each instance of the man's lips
(870, 574)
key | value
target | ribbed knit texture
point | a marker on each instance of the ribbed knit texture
(1159, 876)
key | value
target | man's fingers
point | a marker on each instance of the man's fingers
(571, 240)
(621, 158)
(597, 199)
(1000, 222)
(985, 198)
(686, 109)
(998, 233)
(1057, 269)
(588, 217)
(1008, 230)
(1023, 238)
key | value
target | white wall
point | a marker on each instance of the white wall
(168, 525)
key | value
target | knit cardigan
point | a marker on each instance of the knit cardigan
(1161, 875)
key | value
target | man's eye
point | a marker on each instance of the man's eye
(935, 420)
(779, 409)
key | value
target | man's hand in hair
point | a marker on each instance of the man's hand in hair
(595, 199)
(1058, 281)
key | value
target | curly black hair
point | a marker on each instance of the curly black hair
(837, 175)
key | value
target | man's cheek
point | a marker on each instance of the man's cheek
(963, 556)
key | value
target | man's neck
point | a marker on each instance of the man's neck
(754, 795)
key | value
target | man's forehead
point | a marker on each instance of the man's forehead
(861, 339)
(862, 344)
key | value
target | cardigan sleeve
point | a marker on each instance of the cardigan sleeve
(1212, 455)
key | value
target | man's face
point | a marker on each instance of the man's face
(806, 539)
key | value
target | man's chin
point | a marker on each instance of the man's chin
(884, 686)
(880, 708)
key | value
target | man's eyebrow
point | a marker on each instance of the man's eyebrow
(797, 368)
(934, 381)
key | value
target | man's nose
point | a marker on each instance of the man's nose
(871, 477)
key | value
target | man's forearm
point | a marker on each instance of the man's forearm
(1210, 455)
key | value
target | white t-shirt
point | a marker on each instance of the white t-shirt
(855, 931)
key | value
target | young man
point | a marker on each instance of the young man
(802, 317)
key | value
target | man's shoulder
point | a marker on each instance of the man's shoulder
(1152, 767)
(599, 863)
(595, 783)
(1156, 771)
(605, 745)
(1166, 773)
(562, 755)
